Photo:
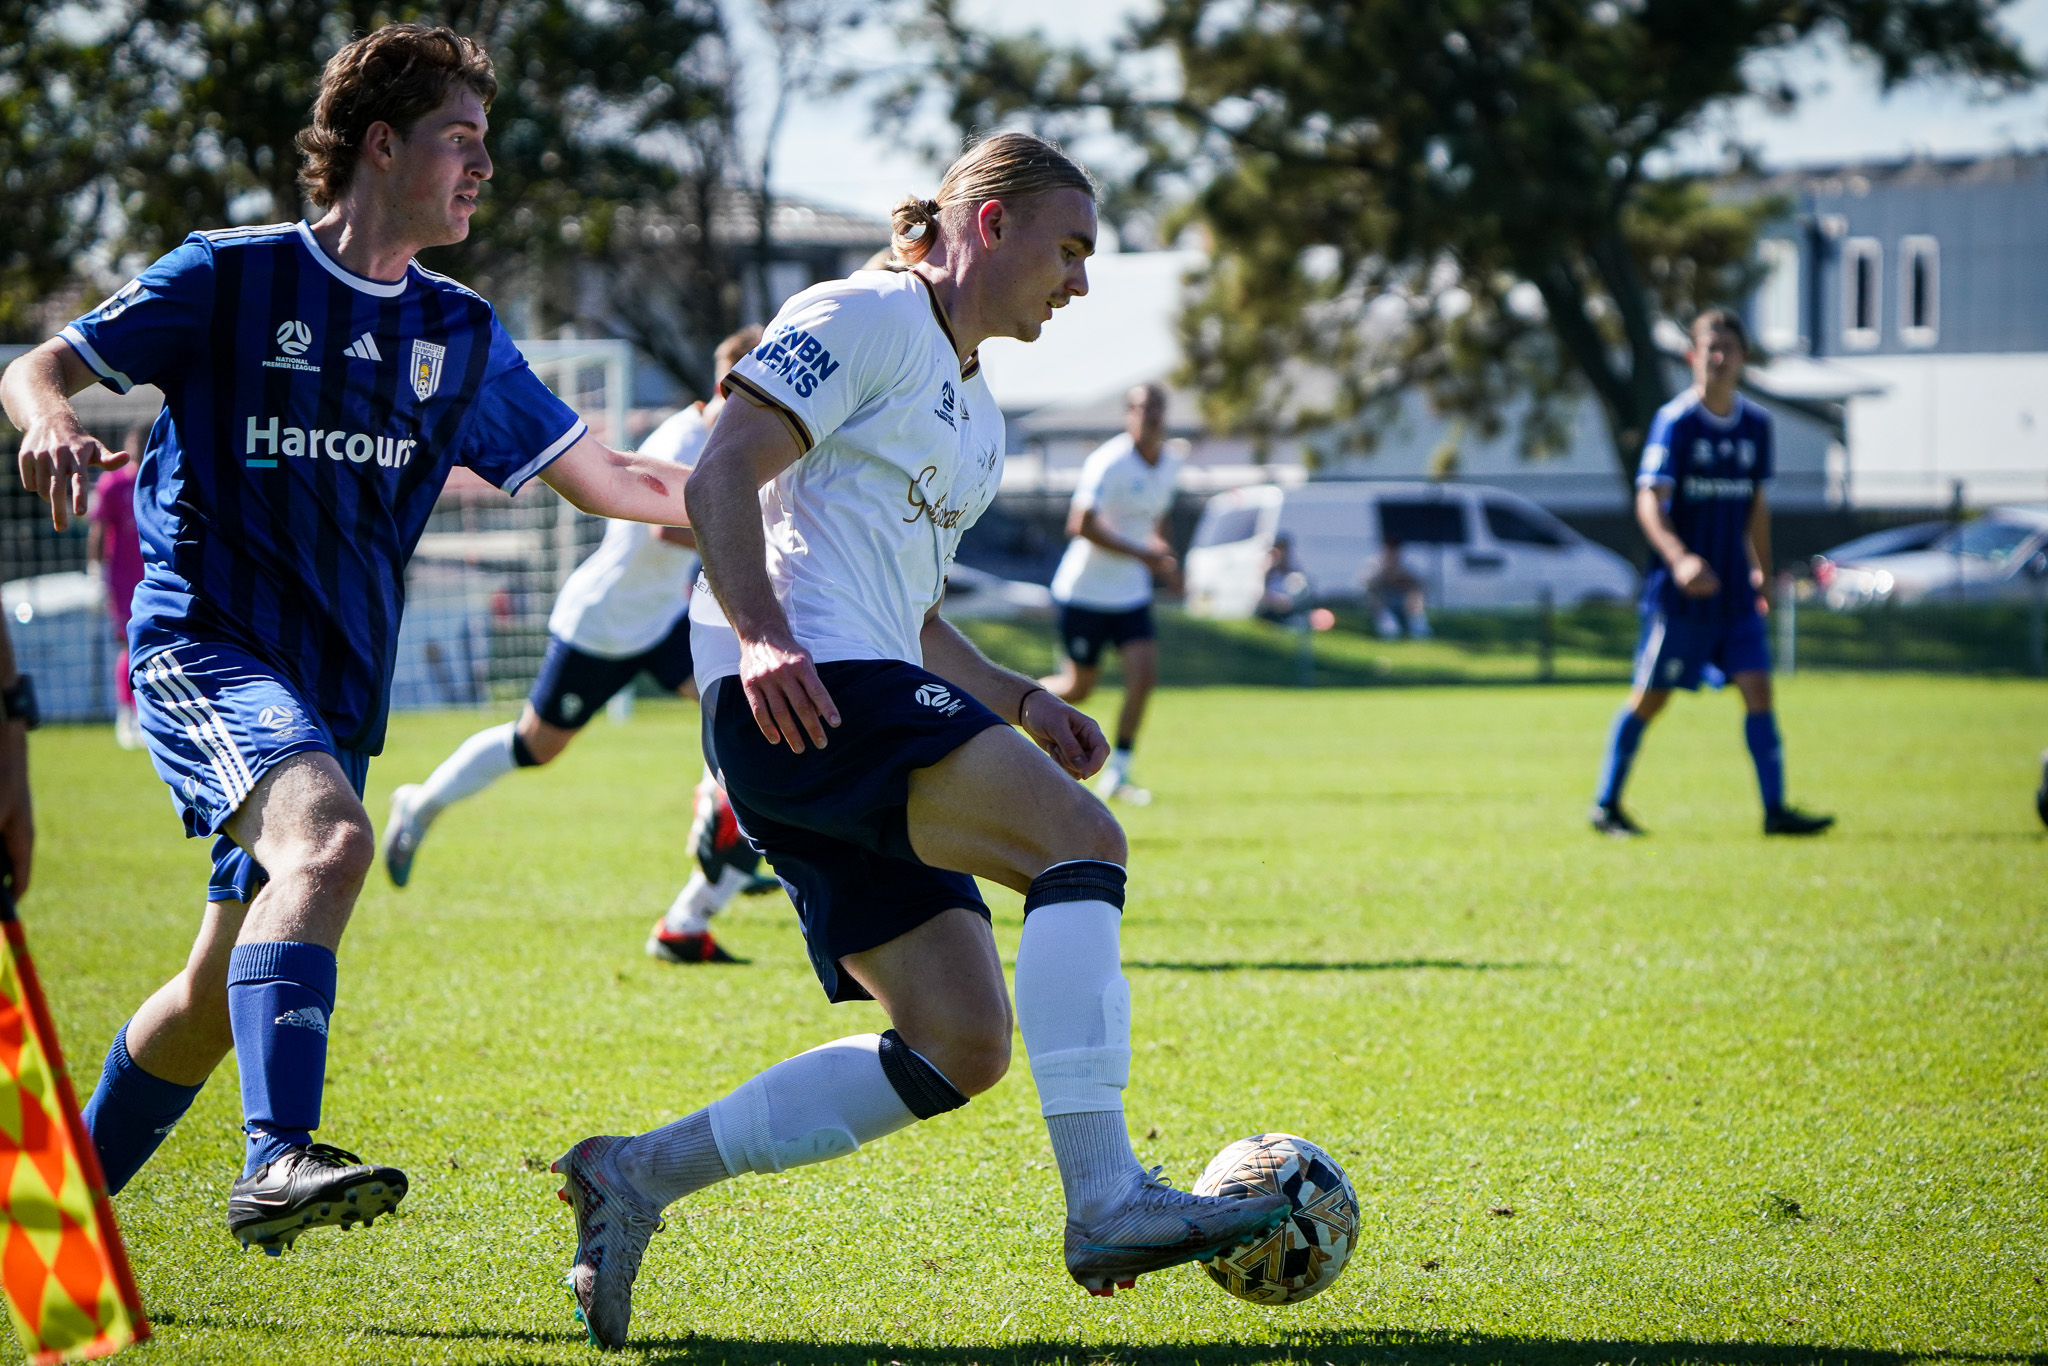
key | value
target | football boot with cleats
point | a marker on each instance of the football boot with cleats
(307, 1188)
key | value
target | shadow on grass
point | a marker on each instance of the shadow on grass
(1337, 1348)
(1386, 965)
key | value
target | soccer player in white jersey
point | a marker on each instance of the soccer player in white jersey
(868, 749)
(1104, 583)
(623, 612)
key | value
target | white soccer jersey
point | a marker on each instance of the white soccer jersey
(634, 587)
(903, 451)
(1128, 496)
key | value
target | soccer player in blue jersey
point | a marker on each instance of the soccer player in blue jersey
(1700, 501)
(320, 384)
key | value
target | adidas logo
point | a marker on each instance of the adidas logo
(363, 348)
(305, 1017)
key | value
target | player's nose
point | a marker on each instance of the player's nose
(1077, 280)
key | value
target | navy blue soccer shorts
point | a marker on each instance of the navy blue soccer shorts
(572, 684)
(832, 822)
(1677, 647)
(216, 719)
(1085, 633)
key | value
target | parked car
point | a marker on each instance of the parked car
(1895, 540)
(1997, 557)
(1472, 546)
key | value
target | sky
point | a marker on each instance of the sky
(829, 152)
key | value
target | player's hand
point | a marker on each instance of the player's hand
(788, 698)
(1167, 568)
(1694, 578)
(1070, 736)
(53, 460)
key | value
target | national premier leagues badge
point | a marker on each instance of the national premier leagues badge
(426, 368)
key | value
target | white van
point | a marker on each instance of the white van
(1471, 546)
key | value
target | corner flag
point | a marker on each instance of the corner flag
(65, 1273)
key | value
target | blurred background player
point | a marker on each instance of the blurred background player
(114, 547)
(264, 635)
(1395, 596)
(1700, 501)
(1104, 584)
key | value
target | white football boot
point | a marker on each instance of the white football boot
(1158, 1226)
(403, 831)
(614, 1222)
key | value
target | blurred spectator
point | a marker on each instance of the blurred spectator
(113, 546)
(1394, 596)
(1288, 592)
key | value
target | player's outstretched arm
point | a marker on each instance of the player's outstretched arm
(1069, 735)
(639, 488)
(750, 446)
(55, 451)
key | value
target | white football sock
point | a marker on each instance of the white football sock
(701, 899)
(477, 762)
(1117, 769)
(1074, 1010)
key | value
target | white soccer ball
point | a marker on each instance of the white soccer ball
(1302, 1256)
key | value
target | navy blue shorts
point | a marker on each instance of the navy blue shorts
(832, 822)
(216, 719)
(1085, 633)
(572, 685)
(1678, 647)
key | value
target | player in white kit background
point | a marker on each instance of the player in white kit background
(868, 749)
(624, 611)
(1104, 583)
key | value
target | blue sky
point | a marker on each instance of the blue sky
(829, 153)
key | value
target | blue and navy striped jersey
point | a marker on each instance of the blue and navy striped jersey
(1711, 469)
(312, 417)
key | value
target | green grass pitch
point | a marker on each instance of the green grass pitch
(1699, 1098)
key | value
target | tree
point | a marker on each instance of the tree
(1458, 194)
(610, 125)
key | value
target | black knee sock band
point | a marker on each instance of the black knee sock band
(924, 1089)
(1081, 880)
(521, 755)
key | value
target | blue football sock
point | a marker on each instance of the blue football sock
(1621, 752)
(279, 998)
(1765, 751)
(131, 1113)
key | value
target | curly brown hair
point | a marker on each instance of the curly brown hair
(396, 75)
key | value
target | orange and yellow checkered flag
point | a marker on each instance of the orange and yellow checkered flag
(69, 1290)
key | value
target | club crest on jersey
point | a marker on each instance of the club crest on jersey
(426, 368)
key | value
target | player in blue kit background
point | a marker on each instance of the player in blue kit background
(320, 384)
(1700, 501)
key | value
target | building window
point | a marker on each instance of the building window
(1777, 298)
(1919, 291)
(1862, 262)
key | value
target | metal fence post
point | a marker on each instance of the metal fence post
(1788, 625)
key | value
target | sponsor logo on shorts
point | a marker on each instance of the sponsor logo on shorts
(305, 1017)
(939, 699)
(275, 718)
(571, 706)
(1672, 669)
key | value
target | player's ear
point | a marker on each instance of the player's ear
(990, 220)
(380, 142)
